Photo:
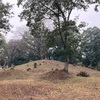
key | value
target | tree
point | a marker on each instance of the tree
(5, 14)
(34, 42)
(57, 10)
(90, 47)
(3, 48)
(40, 33)
(17, 52)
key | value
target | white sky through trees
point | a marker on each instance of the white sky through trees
(91, 17)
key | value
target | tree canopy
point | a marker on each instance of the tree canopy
(5, 14)
(91, 47)
(59, 12)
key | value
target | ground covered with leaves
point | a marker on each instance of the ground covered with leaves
(48, 82)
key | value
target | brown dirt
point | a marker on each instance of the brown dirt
(56, 74)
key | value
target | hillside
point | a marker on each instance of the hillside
(36, 84)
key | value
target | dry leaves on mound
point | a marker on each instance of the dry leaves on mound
(13, 74)
(56, 74)
(24, 92)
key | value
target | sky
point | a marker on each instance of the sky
(91, 17)
(14, 21)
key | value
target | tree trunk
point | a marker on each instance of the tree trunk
(66, 64)
(64, 42)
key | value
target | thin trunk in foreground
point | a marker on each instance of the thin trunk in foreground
(66, 64)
